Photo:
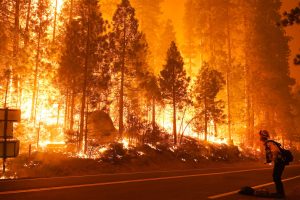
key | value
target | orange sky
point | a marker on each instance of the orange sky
(174, 10)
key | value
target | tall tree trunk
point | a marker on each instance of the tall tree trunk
(72, 111)
(216, 128)
(210, 34)
(183, 131)
(153, 113)
(36, 103)
(58, 114)
(84, 88)
(174, 108)
(249, 108)
(121, 106)
(26, 40)
(86, 129)
(174, 120)
(252, 120)
(181, 123)
(16, 39)
(66, 110)
(247, 101)
(248, 92)
(229, 66)
(7, 87)
(54, 23)
(121, 103)
(34, 92)
(20, 93)
(16, 29)
(205, 119)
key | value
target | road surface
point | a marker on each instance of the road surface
(211, 183)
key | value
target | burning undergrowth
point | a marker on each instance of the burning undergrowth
(123, 157)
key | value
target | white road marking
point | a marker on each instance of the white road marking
(115, 174)
(125, 181)
(255, 187)
(125, 173)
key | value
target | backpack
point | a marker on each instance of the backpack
(247, 191)
(287, 155)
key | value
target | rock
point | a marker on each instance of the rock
(101, 127)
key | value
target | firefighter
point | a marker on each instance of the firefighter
(273, 155)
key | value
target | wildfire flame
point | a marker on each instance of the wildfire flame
(50, 112)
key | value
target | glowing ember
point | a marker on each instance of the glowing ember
(125, 142)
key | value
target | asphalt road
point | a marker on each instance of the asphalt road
(212, 183)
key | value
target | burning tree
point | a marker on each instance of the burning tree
(82, 63)
(40, 22)
(208, 84)
(57, 55)
(149, 14)
(127, 44)
(290, 18)
(174, 83)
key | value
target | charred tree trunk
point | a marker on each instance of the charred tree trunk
(181, 123)
(174, 120)
(72, 111)
(84, 86)
(216, 128)
(121, 106)
(252, 120)
(86, 129)
(174, 108)
(153, 114)
(66, 110)
(205, 119)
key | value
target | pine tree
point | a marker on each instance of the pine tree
(4, 34)
(151, 89)
(174, 82)
(40, 21)
(125, 35)
(192, 41)
(208, 85)
(269, 69)
(290, 18)
(83, 59)
(166, 36)
(149, 13)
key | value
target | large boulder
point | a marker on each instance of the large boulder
(101, 127)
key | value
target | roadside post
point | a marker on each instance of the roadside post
(9, 146)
